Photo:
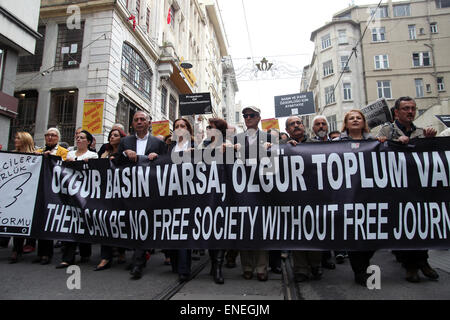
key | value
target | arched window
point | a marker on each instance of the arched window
(136, 71)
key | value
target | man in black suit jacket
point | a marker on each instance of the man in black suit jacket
(131, 148)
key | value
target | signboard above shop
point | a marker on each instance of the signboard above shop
(196, 103)
(294, 105)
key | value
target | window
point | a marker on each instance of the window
(381, 62)
(63, 112)
(172, 16)
(419, 88)
(442, 4)
(440, 84)
(329, 95)
(434, 27)
(402, 10)
(172, 108)
(342, 34)
(138, 10)
(328, 68)
(32, 63)
(136, 71)
(412, 32)
(26, 115)
(428, 88)
(2, 58)
(384, 89)
(148, 20)
(69, 47)
(381, 12)
(378, 34)
(326, 42)
(332, 123)
(124, 113)
(347, 91)
(164, 101)
(344, 63)
(421, 59)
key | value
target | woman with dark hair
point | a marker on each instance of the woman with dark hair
(182, 140)
(111, 151)
(112, 147)
(213, 140)
(84, 141)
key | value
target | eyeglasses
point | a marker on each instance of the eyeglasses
(51, 135)
(249, 115)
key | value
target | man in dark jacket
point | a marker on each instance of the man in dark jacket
(141, 144)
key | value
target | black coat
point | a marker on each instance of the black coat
(154, 145)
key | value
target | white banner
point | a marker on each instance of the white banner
(19, 178)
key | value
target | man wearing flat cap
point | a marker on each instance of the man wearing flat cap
(252, 144)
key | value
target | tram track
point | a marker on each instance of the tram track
(175, 287)
(290, 287)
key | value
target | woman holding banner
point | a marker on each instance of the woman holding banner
(216, 133)
(182, 141)
(111, 151)
(355, 128)
(84, 141)
(23, 142)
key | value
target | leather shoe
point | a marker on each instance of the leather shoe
(62, 265)
(429, 272)
(45, 260)
(183, 277)
(317, 273)
(340, 258)
(300, 277)
(361, 279)
(328, 265)
(136, 272)
(276, 270)
(412, 275)
(104, 267)
(248, 275)
(262, 276)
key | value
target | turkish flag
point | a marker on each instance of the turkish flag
(169, 16)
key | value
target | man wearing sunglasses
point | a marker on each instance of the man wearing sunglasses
(252, 144)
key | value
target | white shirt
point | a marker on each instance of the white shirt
(252, 136)
(87, 155)
(183, 147)
(141, 145)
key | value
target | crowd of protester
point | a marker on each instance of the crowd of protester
(220, 136)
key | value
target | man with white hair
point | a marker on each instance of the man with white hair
(320, 128)
(52, 147)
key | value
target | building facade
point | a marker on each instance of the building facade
(125, 55)
(404, 52)
(18, 35)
